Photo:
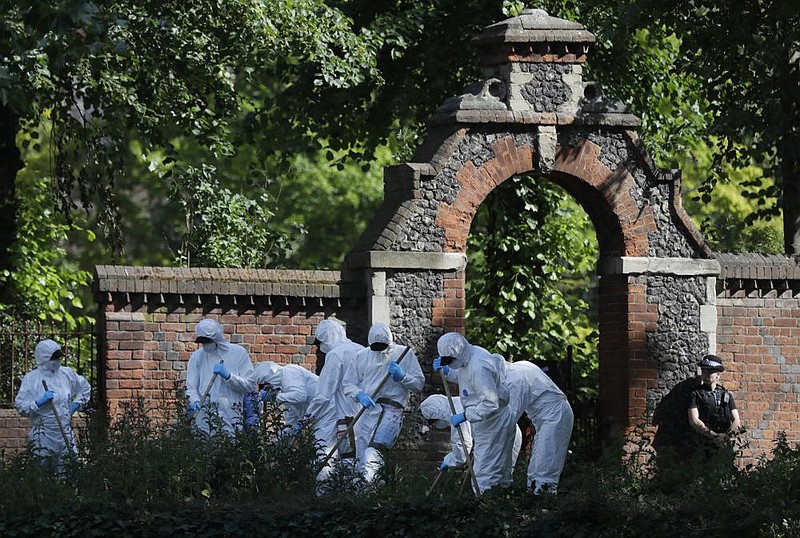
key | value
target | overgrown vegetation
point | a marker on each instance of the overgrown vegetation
(144, 477)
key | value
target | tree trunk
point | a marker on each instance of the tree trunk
(10, 164)
(791, 199)
(789, 153)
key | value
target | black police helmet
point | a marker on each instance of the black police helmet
(711, 363)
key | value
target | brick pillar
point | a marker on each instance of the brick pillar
(626, 372)
(448, 311)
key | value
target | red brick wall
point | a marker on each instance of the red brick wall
(448, 312)
(147, 352)
(759, 340)
(14, 430)
(149, 315)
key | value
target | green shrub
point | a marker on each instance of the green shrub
(138, 476)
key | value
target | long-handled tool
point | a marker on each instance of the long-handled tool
(210, 385)
(67, 443)
(436, 479)
(208, 389)
(360, 412)
(466, 475)
(460, 434)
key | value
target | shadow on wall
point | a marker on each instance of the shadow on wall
(673, 437)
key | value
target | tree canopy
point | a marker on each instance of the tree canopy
(168, 129)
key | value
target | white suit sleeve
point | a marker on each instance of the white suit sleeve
(414, 380)
(193, 379)
(243, 377)
(79, 388)
(25, 402)
(351, 384)
(489, 402)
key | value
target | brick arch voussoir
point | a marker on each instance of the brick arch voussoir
(476, 183)
(606, 197)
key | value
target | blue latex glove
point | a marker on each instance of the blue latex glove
(443, 466)
(397, 371)
(457, 419)
(193, 408)
(437, 365)
(74, 407)
(47, 396)
(364, 399)
(222, 371)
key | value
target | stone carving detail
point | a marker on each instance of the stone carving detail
(594, 101)
(482, 95)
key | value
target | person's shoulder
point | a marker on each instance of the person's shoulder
(240, 350)
(722, 388)
(66, 370)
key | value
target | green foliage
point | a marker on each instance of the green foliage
(331, 199)
(159, 479)
(114, 72)
(223, 228)
(45, 284)
(528, 290)
(730, 220)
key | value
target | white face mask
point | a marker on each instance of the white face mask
(51, 366)
(209, 347)
(456, 363)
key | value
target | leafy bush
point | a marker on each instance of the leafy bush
(140, 476)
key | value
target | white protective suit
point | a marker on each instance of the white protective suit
(331, 404)
(380, 425)
(436, 407)
(532, 391)
(68, 387)
(297, 385)
(226, 395)
(484, 395)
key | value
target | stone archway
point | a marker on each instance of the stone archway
(534, 114)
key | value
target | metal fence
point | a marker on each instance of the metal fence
(585, 439)
(18, 341)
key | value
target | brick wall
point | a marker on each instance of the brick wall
(758, 338)
(148, 316)
(14, 430)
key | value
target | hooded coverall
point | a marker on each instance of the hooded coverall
(224, 393)
(364, 374)
(297, 385)
(533, 392)
(484, 395)
(330, 403)
(70, 390)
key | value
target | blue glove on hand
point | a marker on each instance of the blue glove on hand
(364, 399)
(397, 371)
(443, 466)
(47, 396)
(193, 408)
(222, 371)
(455, 420)
(437, 365)
(74, 407)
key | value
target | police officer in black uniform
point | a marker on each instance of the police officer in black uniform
(712, 410)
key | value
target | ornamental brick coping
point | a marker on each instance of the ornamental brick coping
(112, 279)
(750, 266)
